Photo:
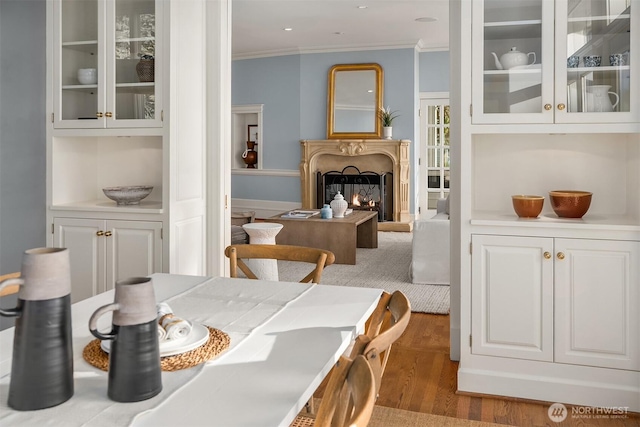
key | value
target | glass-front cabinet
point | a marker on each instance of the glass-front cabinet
(563, 61)
(105, 56)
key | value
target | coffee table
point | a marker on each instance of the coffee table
(339, 235)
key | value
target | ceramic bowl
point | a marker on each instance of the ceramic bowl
(527, 206)
(87, 76)
(130, 195)
(570, 203)
(592, 60)
(573, 61)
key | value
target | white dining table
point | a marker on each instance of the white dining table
(264, 380)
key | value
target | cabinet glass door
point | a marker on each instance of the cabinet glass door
(512, 61)
(78, 64)
(595, 78)
(131, 58)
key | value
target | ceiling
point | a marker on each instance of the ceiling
(335, 25)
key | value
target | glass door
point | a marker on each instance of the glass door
(132, 54)
(512, 61)
(434, 165)
(78, 64)
(595, 77)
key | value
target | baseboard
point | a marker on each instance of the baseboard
(395, 226)
(263, 208)
(605, 391)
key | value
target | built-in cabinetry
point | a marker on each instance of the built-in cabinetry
(137, 122)
(101, 251)
(556, 300)
(547, 306)
(575, 62)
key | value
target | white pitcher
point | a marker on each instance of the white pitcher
(598, 99)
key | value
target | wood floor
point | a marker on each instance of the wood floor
(420, 377)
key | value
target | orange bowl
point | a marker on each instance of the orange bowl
(570, 203)
(527, 206)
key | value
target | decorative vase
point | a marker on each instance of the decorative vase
(250, 156)
(134, 356)
(387, 131)
(146, 70)
(42, 363)
(339, 205)
(326, 212)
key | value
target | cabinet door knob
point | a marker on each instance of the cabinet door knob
(560, 255)
(98, 114)
(108, 114)
(561, 106)
(99, 233)
(547, 255)
(107, 234)
(548, 107)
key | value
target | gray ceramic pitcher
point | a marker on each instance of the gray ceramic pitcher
(134, 355)
(42, 363)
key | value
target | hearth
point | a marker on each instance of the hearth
(363, 190)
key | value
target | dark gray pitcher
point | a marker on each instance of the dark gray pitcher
(42, 363)
(134, 354)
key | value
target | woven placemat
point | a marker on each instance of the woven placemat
(217, 343)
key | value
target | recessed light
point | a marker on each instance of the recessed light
(288, 29)
(370, 91)
(362, 7)
(338, 33)
(426, 19)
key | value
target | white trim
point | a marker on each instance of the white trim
(263, 208)
(417, 45)
(434, 95)
(266, 172)
(247, 108)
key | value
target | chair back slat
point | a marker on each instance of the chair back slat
(320, 257)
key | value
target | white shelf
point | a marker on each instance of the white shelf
(594, 69)
(110, 206)
(79, 87)
(135, 39)
(550, 220)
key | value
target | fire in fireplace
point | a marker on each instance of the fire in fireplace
(363, 190)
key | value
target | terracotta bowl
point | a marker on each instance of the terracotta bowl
(570, 203)
(527, 206)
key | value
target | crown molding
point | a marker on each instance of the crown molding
(410, 44)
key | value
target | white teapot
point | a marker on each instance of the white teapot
(513, 58)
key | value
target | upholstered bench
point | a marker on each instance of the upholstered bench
(430, 248)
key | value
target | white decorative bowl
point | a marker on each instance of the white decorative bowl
(130, 195)
(87, 76)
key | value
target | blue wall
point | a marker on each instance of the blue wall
(293, 90)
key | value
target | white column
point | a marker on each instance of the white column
(263, 233)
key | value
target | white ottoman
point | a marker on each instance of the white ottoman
(430, 258)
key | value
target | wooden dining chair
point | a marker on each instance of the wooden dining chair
(348, 399)
(11, 289)
(320, 257)
(387, 323)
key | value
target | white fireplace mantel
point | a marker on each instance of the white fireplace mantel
(396, 150)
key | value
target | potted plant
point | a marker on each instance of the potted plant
(386, 118)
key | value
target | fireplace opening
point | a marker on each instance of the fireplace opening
(362, 190)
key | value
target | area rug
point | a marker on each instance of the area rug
(392, 417)
(386, 267)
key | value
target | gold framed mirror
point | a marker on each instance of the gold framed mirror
(354, 97)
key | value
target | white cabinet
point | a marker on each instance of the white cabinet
(103, 251)
(512, 297)
(125, 130)
(597, 296)
(107, 58)
(557, 300)
(575, 62)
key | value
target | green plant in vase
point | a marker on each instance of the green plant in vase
(387, 117)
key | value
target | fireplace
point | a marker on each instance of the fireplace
(363, 190)
(387, 159)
